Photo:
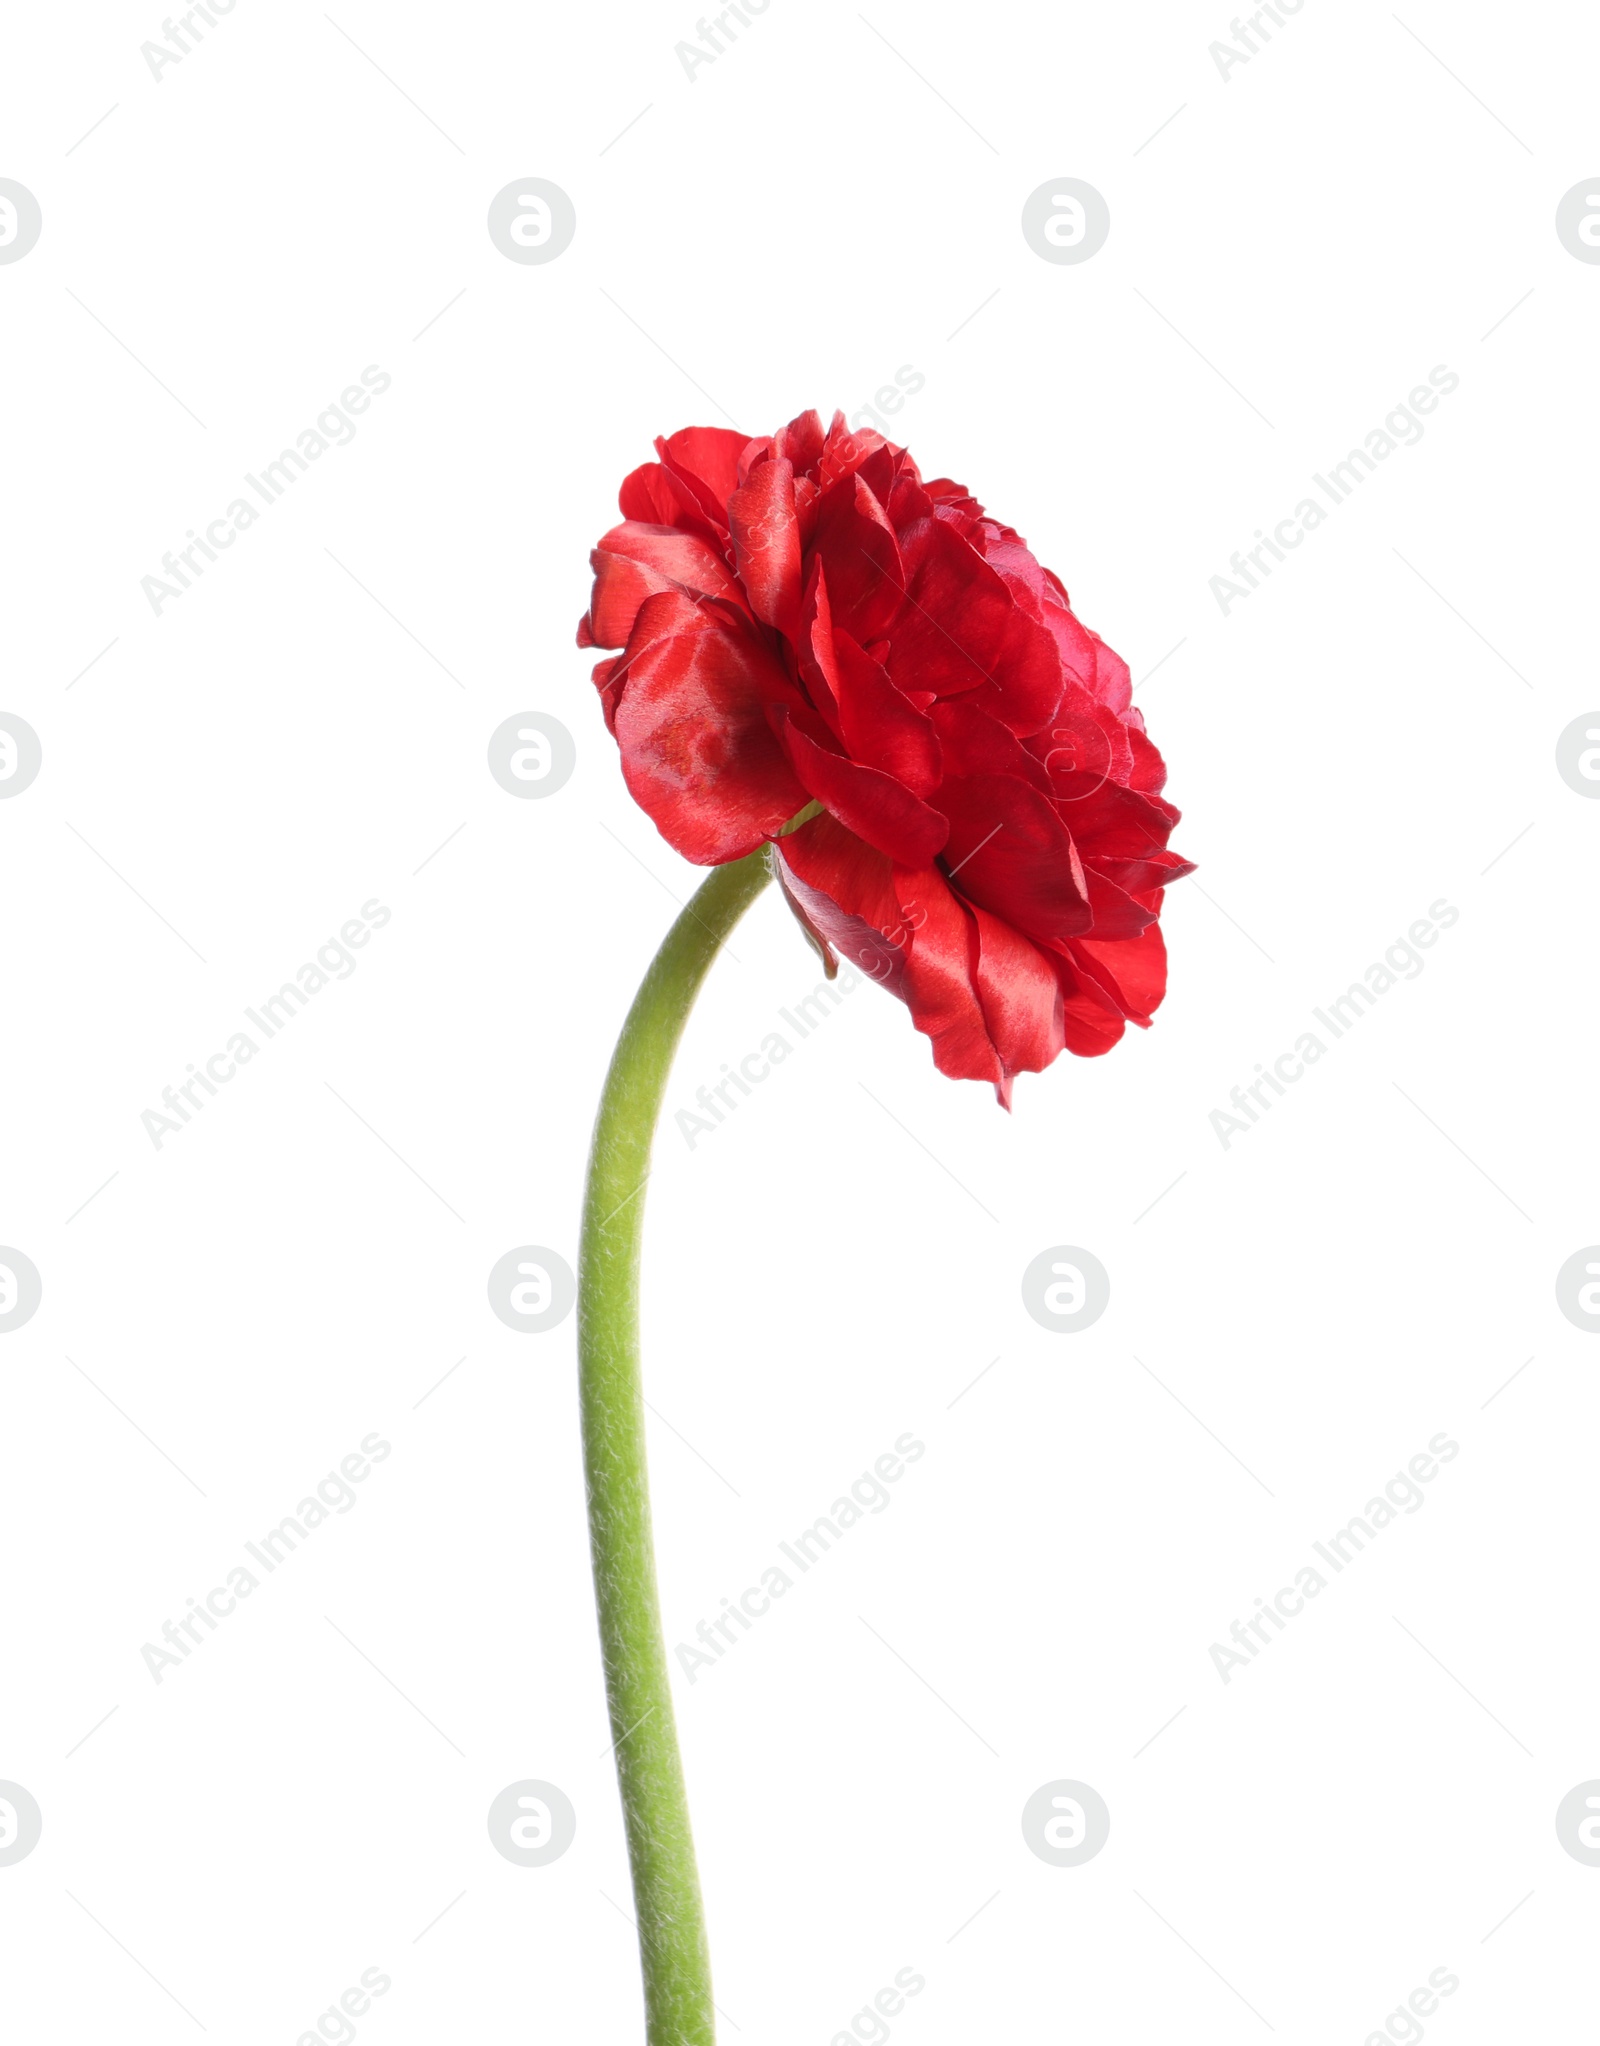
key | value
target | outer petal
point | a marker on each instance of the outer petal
(1142, 877)
(1149, 773)
(636, 561)
(1021, 998)
(941, 979)
(710, 455)
(1116, 823)
(698, 752)
(1090, 1021)
(1117, 914)
(1112, 682)
(847, 892)
(655, 497)
(903, 928)
(1084, 746)
(1133, 971)
(610, 687)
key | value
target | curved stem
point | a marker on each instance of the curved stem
(666, 1884)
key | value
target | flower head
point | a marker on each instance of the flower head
(808, 626)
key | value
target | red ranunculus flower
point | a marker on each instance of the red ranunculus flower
(805, 622)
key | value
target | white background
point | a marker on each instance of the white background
(1368, 733)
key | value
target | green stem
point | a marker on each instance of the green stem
(666, 1884)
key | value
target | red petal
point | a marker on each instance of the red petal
(960, 628)
(815, 938)
(800, 442)
(847, 892)
(1149, 775)
(902, 928)
(877, 725)
(635, 561)
(1115, 823)
(866, 577)
(880, 728)
(1021, 997)
(819, 668)
(766, 539)
(1010, 852)
(1112, 682)
(654, 496)
(697, 750)
(1089, 1022)
(1133, 970)
(940, 983)
(979, 745)
(1084, 746)
(907, 501)
(649, 494)
(843, 452)
(608, 683)
(1142, 877)
(872, 805)
(1117, 914)
(709, 454)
